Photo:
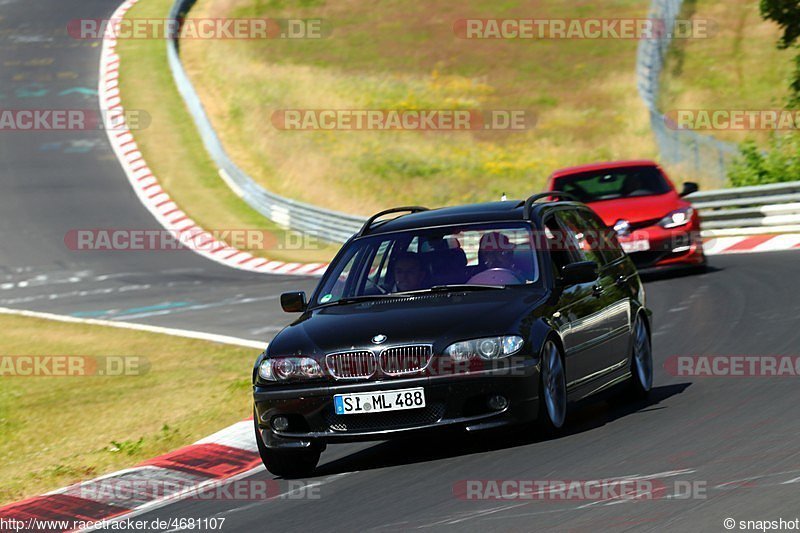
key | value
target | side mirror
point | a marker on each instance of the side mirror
(689, 187)
(293, 302)
(577, 273)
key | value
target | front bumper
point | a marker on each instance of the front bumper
(452, 402)
(667, 247)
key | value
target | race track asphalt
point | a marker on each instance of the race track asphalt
(52, 182)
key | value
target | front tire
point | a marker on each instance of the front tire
(552, 389)
(288, 463)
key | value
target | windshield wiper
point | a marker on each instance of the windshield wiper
(452, 287)
(435, 288)
(356, 299)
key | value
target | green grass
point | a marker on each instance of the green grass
(172, 147)
(55, 431)
(404, 54)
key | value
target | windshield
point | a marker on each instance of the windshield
(478, 255)
(611, 184)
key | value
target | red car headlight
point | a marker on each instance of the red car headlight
(677, 218)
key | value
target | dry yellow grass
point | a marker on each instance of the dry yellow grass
(406, 56)
(55, 431)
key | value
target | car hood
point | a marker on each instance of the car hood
(430, 318)
(643, 208)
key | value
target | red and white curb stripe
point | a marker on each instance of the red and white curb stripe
(146, 185)
(751, 244)
(192, 471)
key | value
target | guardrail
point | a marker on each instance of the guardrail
(766, 208)
(774, 207)
(324, 223)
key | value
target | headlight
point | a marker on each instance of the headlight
(679, 217)
(289, 368)
(488, 348)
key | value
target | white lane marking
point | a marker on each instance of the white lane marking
(197, 307)
(189, 334)
(678, 309)
(266, 329)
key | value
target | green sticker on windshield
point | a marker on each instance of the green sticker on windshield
(325, 298)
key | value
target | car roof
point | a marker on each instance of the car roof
(603, 166)
(509, 210)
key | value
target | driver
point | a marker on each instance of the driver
(496, 251)
(409, 273)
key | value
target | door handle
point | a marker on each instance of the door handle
(597, 290)
(621, 280)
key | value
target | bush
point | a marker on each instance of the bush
(781, 162)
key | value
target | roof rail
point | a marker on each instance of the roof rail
(410, 209)
(526, 213)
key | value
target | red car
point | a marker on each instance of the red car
(655, 225)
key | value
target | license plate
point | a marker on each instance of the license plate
(641, 245)
(379, 402)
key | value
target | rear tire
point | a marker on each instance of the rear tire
(641, 360)
(552, 389)
(288, 463)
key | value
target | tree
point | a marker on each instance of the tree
(786, 13)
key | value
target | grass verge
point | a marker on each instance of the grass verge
(172, 147)
(55, 431)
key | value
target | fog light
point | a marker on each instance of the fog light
(280, 423)
(498, 403)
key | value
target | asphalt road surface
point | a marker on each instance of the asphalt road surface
(732, 440)
(55, 181)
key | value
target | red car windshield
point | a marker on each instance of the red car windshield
(612, 184)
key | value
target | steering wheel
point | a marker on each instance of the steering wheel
(496, 276)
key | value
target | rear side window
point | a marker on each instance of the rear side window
(586, 237)
(605, 238)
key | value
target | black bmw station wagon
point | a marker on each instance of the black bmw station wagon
(467, 318)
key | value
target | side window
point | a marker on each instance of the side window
(585, 236)
(379, 266)
(336, 285)
(606, 238)
(562, 246)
